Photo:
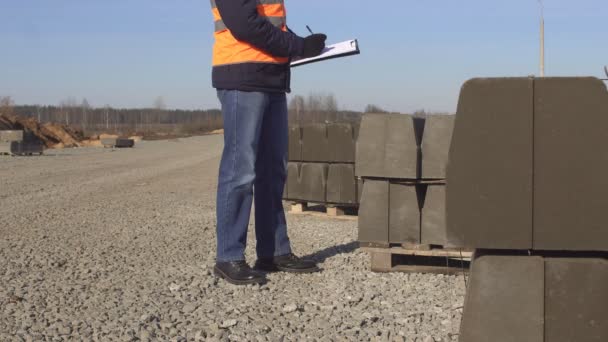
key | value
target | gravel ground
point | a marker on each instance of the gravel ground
(118, 245)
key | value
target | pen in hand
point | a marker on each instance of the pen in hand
(309, 30)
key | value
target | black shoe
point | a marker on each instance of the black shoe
(238, 273)
(286, 263)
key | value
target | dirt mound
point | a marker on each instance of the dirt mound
(51, 134)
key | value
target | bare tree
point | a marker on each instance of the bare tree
(297, 106)
(6, 105)
(372, 108)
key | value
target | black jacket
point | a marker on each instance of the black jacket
(242, 19)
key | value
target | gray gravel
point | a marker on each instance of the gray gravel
(118, 245)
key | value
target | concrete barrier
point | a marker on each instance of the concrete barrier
(294, 189)
(505, 300)
(570, 164)
(313, 182)
(315, 145)
(433, 220)
(341, 141)
(576, 299)
(436, 146)
(536, 298)
(374, 214)
(526, 165)
(341, 184)
(404, 214)
(386, 147)
(489, 174)
(295, 143)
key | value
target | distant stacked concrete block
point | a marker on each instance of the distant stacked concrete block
(409, 153)
(526, 189)
(13, 135)
(118, 142)
(15, 142)
(321, 165)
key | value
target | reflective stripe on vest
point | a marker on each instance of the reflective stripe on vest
(228, 50)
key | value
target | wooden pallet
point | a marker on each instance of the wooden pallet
(324, 210)
(419, 259)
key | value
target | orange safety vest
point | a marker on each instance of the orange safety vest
(229, 50)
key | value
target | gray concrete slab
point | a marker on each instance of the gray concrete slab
(374, 213)
(341, 184)
(313, 182)
(404, 214)
(315, 144)
(294, 189)
(295, 143)
(436, 146)
(11, 135)
(341, 140)
(433, 229)
(489, 174)
(570, 164)
(505, 300)
(386, 147)
(576, 300)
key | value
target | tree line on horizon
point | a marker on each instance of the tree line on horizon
(314, 108)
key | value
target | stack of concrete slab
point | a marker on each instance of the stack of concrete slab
(402, 161)
(527, 189)
(13, 142)
(321, 166)
(117, 142)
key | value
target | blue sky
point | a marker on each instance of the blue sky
(415, 54)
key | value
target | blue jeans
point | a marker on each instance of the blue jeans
(253, 167)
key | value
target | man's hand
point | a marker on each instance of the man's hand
(313, 45)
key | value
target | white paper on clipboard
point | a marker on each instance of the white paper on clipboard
(342, 49)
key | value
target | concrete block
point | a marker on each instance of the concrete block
(341, 184)
(386, 147)
(570, 164)
(124, 143)
(5, 147)
(295, 143)
(489, 174)
(434, 226)
(374, 213)
(404, 214)
(576, 300)
(313, 182)
(341, 140)
(505, 300)
(108, 142)
(360, 182)
(293, 183)
(13, 135)
(315, 145)
(436, 145)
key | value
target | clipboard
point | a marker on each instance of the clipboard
(338, 50)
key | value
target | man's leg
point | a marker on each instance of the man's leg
(243, 113)
(271, 170)
(273, 246)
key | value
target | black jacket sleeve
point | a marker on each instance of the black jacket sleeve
(242, 19)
